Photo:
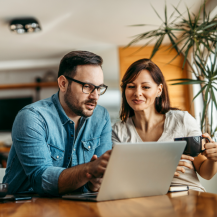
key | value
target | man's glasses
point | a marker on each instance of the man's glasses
(89, 88)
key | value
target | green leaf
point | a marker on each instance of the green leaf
(214, 88)
(205, 104)
(179, 51)
(203, 114)
(204, 12)
(211, 114)
(165, 12)
(140, 37)
(213, 98)
(197, 47)
(173, 43)
(186, 53)
(175, 10)
(173, 35)
(199, 92)
(142, 47)
(209, 26)
(185, 79)
(156, 13)
(189, 17)
(201, 66)
(207, 46)
(157, 45)
(188, 82)
(214, 64)
(137, 25)
(198, 15)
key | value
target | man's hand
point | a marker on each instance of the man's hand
(73, 178)
(211, 148)
(96, 167)
(183, 163)
(97, 170)
(89, 176)
(94, 183)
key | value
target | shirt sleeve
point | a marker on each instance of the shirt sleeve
(192, 128)
(115, 137)
(105, 137)
(29, 139)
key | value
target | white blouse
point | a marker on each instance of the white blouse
(177, 124)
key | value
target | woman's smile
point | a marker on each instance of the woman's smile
(137, 101)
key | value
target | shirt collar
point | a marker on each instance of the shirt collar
(63, 117)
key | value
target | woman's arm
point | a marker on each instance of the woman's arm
(206, 163)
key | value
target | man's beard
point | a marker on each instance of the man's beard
(73, 104)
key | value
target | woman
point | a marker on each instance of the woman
(146, 115)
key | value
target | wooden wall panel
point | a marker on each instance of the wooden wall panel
(180, 95)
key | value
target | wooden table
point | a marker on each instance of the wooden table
(193, 204)
(4, 149)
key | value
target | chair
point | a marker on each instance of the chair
(2, 173)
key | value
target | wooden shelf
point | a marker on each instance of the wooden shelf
(4, 149)
(28, 85)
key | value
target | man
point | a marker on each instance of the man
(62, 144)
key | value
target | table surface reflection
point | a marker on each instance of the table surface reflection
(191, 203)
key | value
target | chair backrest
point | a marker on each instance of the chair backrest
(2, 173)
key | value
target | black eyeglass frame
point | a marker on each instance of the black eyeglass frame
(83, 83)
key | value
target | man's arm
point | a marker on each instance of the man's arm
(72, 178)
(105, 144)
(29, 140)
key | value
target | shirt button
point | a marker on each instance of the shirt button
(88, 146)
(74, 149)
(71, 135)
(70, 122)
(57, 156)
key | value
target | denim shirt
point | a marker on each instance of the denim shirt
(44, 145)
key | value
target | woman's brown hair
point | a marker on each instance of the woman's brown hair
(162, 103)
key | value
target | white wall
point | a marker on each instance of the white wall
(110, 69)
(24, 76)
(110, 63)
(111, 100)
(209, 185)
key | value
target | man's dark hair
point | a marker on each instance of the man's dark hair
(70, 61)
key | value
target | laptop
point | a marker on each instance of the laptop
(137, 170)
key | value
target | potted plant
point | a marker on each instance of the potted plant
(194, 37)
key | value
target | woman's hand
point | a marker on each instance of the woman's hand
(211, 148)
(180, 167)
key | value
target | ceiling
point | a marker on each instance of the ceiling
(93, 25)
